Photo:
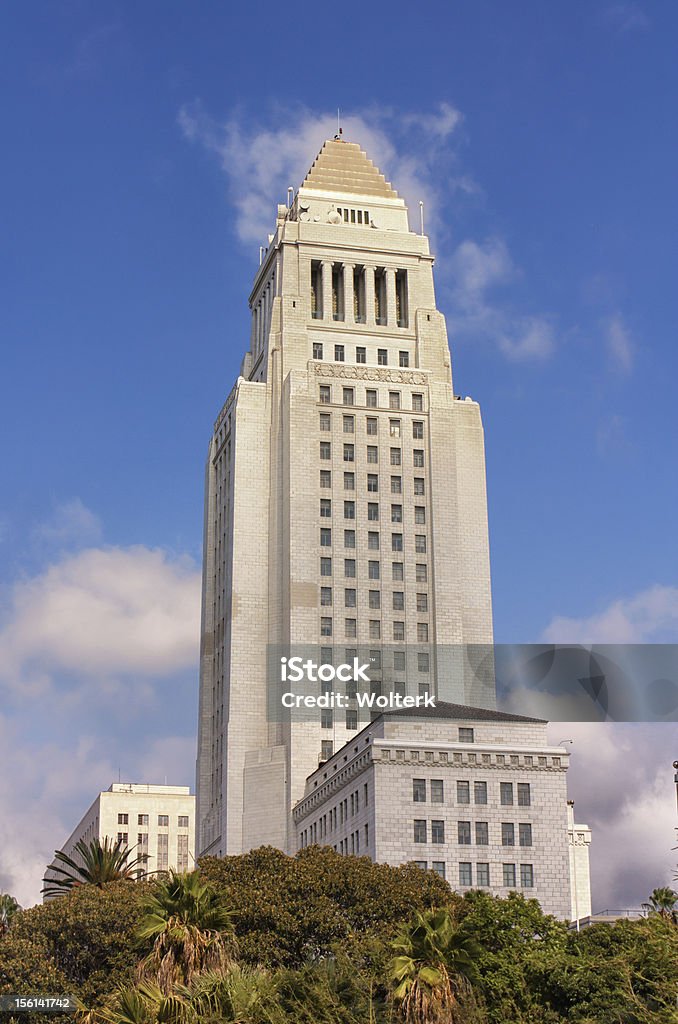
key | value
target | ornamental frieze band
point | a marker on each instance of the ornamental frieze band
(374, 373)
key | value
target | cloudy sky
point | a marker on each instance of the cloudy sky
(145, 148)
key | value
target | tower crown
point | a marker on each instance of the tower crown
(344, 167)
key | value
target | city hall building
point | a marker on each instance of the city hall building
(346, 512)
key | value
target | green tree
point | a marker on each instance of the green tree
(8, 908)
(663, 901)
(433, 969)
(191, 929)
(100, 863)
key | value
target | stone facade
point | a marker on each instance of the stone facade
(157, 820)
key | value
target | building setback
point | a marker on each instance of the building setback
(158, 820)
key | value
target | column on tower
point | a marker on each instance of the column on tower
(390, 297)
(327, 289)
(348, 292)
(369, 296)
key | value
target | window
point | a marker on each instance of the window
(418, 458)
(325, 537)
(527, 876)
(142, 839)
(351, 719)
(325, 478)
(182, 853)
(399, 661)
(421, 573)
(349, 510)
(350, 627)
(396, 485)
(360, 354)
(349, 481)
(163, 820)
(371, 426)
(317, 350)
(463, 793)
(398, 600)
(142, 819)
(372, 482)
(325, 450)
(373, 511)
(418, 403)
(508, 837)
(375, 599)
(437, 831)
(418, 485)
(325, 394)
(371, 399)
(422, 602)
(326, 718)
(339, 353)
(394, 428)
(524, 798)
(398, 630)
(349, 424)
(349, 538)
(123, 837)
(465, 735)
(422, 662)
(439, 867)
(163, 852)
(325, 421)
(349, 567)
(349, 453)
(464, 833)
(396, 513)
(422, 632)
(525, 833)
(325, 626)
(436, 791)
(325, 566)
(326, 596)
(480, 792)
(420, 830)
(421, 864)
(372, 540)
(349, 598)
(375, 629)
(509, 875)
(373, 570)
(326, 748)
(396, 542)
(506, 794)
(372, 453)
(396, 456)
(419, 791)
(347, 396)
(397, 571)
(382, 357)
(325, 508)
(417, 429)
(420, 543)
(465, 873)
(482, 874)
(482, 833)
(394, 399)
(123, 819)
(403, 358)
(419, 515)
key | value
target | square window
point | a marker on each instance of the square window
(372, 482)
(437, 791)
(325, 394)
(325, 450)
(338, 353)
(375, 629)
(351, 719)
(325, 508)
(396, 485)
(317, 350)
(349, 538)
(396, 456)
(397, 571)
(420, 830)
(420, 543)
(326, 748)
(422, 602)
(325, 421)
(417, 429)
(464, 833)
(349, 424)
(482, 833)
(422, 662)
(349, 453)
(371, 427)
(404, 358)
(421, 573)
(326, 595)
(399, 661)
(418, 403)
(507, 834)
(396, 542)
(398, 601)
(372, 453)
(418, 485)
(348, 396)
(463, 793)
(375, 599)
(373, 511)
(465, 735)
(527, 876)
(325, 478)
(524, 796)
(439, 867)
(483, 874)
(325, 626)
(419, 515)
(422, 632)
(163, 820)
(349, 481)
(419, 791)
(325, 538)
(506, 794)
(421, 864)
(349, 510)
(371, 399)
(382, 357)
(480, 792)
(525, 833)
(396, 513)
(142, 819)
(349, 567)
(398, 631)
(394, 428)
(373, 570)
(372, 540)
(394, 399)
(123, 819)
(418, 458)
(350, 598)
(350, 627)
(360, 354)
(509, 875)
(325, 566)
(465, 873)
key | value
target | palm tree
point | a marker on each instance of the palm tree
(432, 970)
(100, 863)
(663, 902)
(143, 1004)
(8, 908)
(239, 994)
(191, 930)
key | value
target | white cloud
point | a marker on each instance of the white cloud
(618, 343)
(260, 162)
(651, 616)
(100, 613)
(71, 523)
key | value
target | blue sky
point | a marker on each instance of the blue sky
(145, 148)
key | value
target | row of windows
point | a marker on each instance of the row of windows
(395, 459)
(328, 291)
(374, 569)
(509, 873)
(163, 820)
(335, 817)
(373, 516)
(374, 599)
(374, 626)
(349, 509)
(466, 830)
(349, 482)
(371, 397)
(162, 858)
(348, 422)
(436, 789)
(360, 354)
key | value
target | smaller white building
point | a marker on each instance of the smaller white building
(156, 820)
(477, 795)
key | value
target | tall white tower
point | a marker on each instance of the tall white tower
(345, 497)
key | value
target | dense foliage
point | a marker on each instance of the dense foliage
(323, 939)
